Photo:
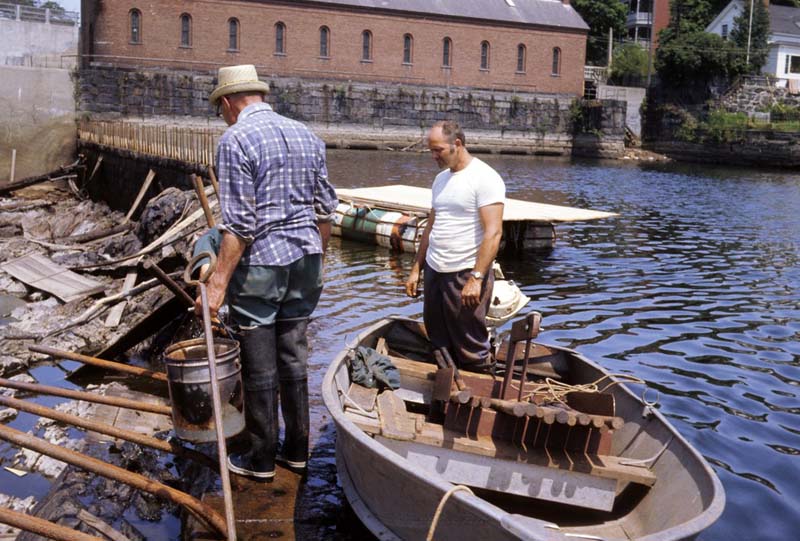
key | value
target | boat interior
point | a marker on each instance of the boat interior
(545, 426)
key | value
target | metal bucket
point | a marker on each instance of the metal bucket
(190, 389)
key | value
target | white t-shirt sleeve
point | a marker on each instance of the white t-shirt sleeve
(491, 189)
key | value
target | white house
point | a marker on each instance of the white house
(783, 61)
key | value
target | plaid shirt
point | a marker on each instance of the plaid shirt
(274, 186)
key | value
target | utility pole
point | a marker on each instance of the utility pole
(650, 46)
(749, 32)
(610, 46)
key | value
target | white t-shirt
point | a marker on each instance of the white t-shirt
(457, 231)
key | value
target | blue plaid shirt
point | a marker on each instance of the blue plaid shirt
(274, 186)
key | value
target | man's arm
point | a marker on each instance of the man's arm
(491, 217)
(413, 279)
(325, 200)
(230, 252)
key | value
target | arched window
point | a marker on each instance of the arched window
(136, 25)
(280, 38)
(408, 49)
(447, 52)
(485, 51)
(233, 34)
(324, 41)
(521, 57)
(556, 61)
(366, 45)
(186, 30)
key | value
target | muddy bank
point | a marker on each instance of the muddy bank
(53, 221)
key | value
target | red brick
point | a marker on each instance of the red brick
(161, 30)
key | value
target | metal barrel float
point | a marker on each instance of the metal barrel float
(400, 231)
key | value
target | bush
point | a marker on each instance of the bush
(629, 65)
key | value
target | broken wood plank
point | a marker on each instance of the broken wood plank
(363, 397)
(30, 181)
(94, 522)
(396, 423)
(115, 316)
(145, 186)
(40, 272)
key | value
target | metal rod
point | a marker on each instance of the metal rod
(222, 451)
(42, 527)
(171, 284)
(200, 510)
(87, 397)
(201, 195)
(13, 171)
(102, 363)
(109, 430)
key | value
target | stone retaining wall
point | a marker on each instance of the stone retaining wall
(541, 123)
(753, 98)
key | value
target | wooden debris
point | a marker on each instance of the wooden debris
(94, 522)
(115, 316)
(145, 186)
(40, 272)
(363, 397)
(30, 181)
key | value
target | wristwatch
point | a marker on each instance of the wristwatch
(476, 274)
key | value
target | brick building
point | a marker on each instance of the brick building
(524, 45)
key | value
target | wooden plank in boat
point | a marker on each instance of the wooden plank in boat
(396, 423)
(544, 361)
(508, 476)
(40, 272)
(421, 377)
(592, 403)
(364, 397)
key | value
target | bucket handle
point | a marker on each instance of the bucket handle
(204, 276)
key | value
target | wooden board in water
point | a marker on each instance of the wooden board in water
(416, 199)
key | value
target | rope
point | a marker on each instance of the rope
(555, 391)
(438, 513)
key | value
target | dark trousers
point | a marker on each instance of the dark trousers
(450, 324)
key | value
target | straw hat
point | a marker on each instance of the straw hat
(233, 79)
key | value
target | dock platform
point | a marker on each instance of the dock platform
(395, 216)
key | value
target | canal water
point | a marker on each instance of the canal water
(693, 288)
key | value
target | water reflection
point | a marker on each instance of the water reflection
(692, 288)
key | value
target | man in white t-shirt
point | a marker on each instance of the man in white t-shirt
(458, 248)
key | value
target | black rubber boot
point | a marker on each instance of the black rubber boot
(292, 367)
(259, 374)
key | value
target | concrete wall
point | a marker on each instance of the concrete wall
(28, 43)
(633, 96)
(37, 117)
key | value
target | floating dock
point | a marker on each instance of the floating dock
(395, 216)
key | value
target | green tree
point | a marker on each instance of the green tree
(758, 38)
(601, 15)
(54, 7)
(693, 59)
(629, 65)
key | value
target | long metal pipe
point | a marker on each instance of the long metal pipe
(102, 363)
(87, 397)
(109, 430)
(165, 279)
(200, 510)
(217, 403)
(42, 527)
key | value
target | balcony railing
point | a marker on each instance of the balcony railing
(638, 19)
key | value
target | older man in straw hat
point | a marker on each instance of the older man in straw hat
(277, 204)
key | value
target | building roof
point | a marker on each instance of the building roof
(553, 13)
(784, 20)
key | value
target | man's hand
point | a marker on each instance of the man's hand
(412, 284)
(216, 296)
(471, 293)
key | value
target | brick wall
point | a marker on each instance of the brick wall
(107, 34)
